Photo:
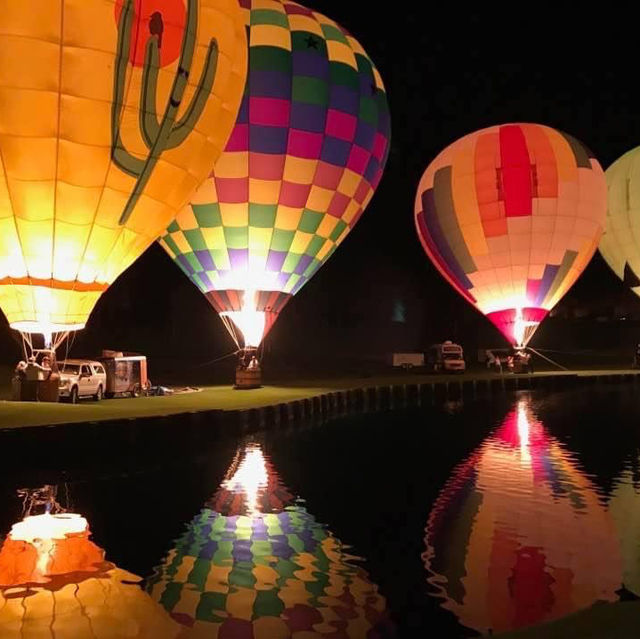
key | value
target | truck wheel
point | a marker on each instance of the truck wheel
(73, 396)
(109, 395)
(98, 395)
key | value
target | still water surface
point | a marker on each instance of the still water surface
(469, 518)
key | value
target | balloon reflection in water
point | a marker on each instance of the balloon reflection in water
(518, 535)
(624, 505)
(55, 583)
(255, 565)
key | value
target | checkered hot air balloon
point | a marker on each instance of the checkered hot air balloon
(620, 243)
(518, 535)
(510, 216)
(304, 159)
(263, 567)
(112, 112)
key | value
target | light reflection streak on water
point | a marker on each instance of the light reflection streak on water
(249, 479)
(518, 534)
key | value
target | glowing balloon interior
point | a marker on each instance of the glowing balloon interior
(111, 114)
(304, 159)
(620, 243)
(511, 216)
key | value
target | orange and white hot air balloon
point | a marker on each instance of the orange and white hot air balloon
(510, 216)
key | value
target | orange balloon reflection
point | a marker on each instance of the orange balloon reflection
(56, 584)
(518, 535)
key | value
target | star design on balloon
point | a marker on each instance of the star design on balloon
(312, 43)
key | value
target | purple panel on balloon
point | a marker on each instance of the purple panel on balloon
(311, 64)
(344, 99)
(204, 257)
(308, 117)
(303, 262)
(268, 139)
(270, 84)
(335, 151)
(365, 135)
(275, 260)
(184, 262)
(239, 259)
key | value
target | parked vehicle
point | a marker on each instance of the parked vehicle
(446, 357)
(81, 378)
(126, 373)
(408, 360)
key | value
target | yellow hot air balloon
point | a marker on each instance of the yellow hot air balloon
(620, 243)
(111, 114)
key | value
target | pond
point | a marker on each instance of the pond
(453, 520)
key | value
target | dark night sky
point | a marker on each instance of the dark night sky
(449, 70)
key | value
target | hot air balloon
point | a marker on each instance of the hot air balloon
(55, 582)
(111, 114)
(511, 216)
(306, 154)
(620, 243)
(254, 563)
(518, 535)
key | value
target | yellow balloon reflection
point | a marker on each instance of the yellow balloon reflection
(253, 564)
(624, 505)
(518, 535)
(55, 583)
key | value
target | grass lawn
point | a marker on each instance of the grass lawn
(19, 414)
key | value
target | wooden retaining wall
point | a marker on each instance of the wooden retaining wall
(135, 441)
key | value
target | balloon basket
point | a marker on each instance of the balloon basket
(35, 390)
(247, 378)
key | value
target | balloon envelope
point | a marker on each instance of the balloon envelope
(620, 243)
(304, 159)
(510, 216)
(111, 114)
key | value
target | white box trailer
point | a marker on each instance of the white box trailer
(407, 360)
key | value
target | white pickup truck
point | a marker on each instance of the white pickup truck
(81, 378)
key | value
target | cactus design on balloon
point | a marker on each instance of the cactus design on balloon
(165, 133)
